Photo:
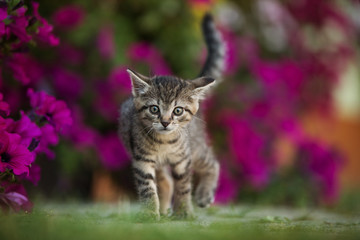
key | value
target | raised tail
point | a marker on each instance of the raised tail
(215, 61)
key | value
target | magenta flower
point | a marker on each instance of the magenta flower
(34, 174)
(69, 17)
(48, 138)
(27, 129)
(119, 80)
(54, 111)
(105, 42)
(144, 52)
(322, 165)
(79, 133)
(112, 153)
(44, 31)
(14, 196)
(13, 155)
(67, 84)
(24, 68)
(248, 148)
(19, 24)
(228, 188)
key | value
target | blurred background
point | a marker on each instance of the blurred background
(285, 122)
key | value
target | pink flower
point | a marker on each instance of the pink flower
(119, 80)
(228, 188)
(19, 24)
(49, 137)
(248, 148)
(54, 111)
(14, 196)
(105, 42)
(112, 153)
(106, 103)
(44, 31)
(69, 17)
(70, 55)
(24, 68)
(25, 128)
(322, 164)
(13, 155)
(144, 52)
(34, 174)
(79, 133)
(67, 84)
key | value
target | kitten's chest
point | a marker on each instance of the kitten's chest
(164, 153)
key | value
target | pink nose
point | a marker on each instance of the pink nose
(165, 124)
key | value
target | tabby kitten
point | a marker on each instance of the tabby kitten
(161, 127)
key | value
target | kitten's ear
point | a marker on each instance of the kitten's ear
(139, 83)
(201, 85)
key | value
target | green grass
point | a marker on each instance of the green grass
(94, 221)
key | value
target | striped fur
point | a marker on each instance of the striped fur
(162, 130)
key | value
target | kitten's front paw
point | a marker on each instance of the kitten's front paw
(204, 197)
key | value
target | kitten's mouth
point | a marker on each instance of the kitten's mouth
(165, 131)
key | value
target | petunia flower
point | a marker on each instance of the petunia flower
(44, 32)
(49, 137)
(112, 153)
(322, 164)
(13, 155)
(27, 129)
(19, 24)
(105, 42)
(69, 17)
(14, 196)
(54, 111)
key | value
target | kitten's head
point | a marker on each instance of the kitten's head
(165, 103)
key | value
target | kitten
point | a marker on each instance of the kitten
(161, 127)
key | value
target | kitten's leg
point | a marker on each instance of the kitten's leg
(144, 174)
(182, 187)
(166, 189)
(207, 168)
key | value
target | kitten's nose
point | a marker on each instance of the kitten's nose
(165, 124)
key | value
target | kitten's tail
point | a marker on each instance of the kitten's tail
(215, 62)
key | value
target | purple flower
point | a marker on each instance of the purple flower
(228, 188)
(44, 31)
(322, 164)
(248, 148)
(105, 42)
(49, 137)
(13, 155)
(69, 17)
(119, 80)
(19, 24)
(25, 128)
(54, 111)
(79, 133)
(112, 153)
(70, 55)
(24, 68)
(14, 196)
(144, 52)
(34, 174)
(67, 83)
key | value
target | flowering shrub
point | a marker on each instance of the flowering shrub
(37, 128)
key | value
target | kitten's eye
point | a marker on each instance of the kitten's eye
(154, 109)
(178, 111)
